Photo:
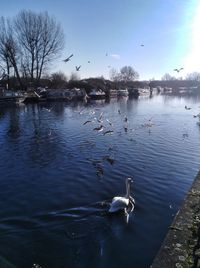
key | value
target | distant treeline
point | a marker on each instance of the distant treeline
(174, 83)
(104, 84)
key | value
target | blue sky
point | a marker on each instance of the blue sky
(169, 30)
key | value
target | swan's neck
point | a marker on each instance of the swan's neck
(127, 189)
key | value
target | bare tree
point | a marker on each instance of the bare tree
(195, 76)
(168, 77)
(128, 74)
(41, 39)
(114, 75)
(29, 44)
(9, 50)
(4, 45)
(58, 80)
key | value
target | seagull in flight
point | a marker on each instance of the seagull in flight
(109, 122)
(78, 68)
(178, 70)
(68, 59)
(99, 129)
(88, 121)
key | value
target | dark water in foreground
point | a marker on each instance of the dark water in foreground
(52, 184)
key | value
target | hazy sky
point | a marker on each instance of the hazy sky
(169, 30)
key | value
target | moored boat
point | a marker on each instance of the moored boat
(123, 92)
(9, 96)
(113, 93)
(97, 94)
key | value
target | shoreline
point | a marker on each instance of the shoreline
(181, 246)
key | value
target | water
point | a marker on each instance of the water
(55, 173)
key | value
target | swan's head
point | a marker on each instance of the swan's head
(129, 180)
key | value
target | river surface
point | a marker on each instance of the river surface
(57, 175)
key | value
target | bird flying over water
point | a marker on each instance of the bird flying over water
(178, 70)
(78, 68)
(109, 122)
(101, 114)
(100, 118)
(99, 129)
(68, 59)
(108, 132)
(82, 111)
(88, 121)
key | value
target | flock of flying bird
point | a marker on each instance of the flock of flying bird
(78, 67)
(119, 203)
(106, 127)
(101, 127)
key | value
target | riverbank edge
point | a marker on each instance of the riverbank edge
(181, 246)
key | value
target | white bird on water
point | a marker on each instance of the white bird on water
(123, 203)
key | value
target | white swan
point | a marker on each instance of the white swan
(125, 203)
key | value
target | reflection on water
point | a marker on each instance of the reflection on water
(57, 174)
